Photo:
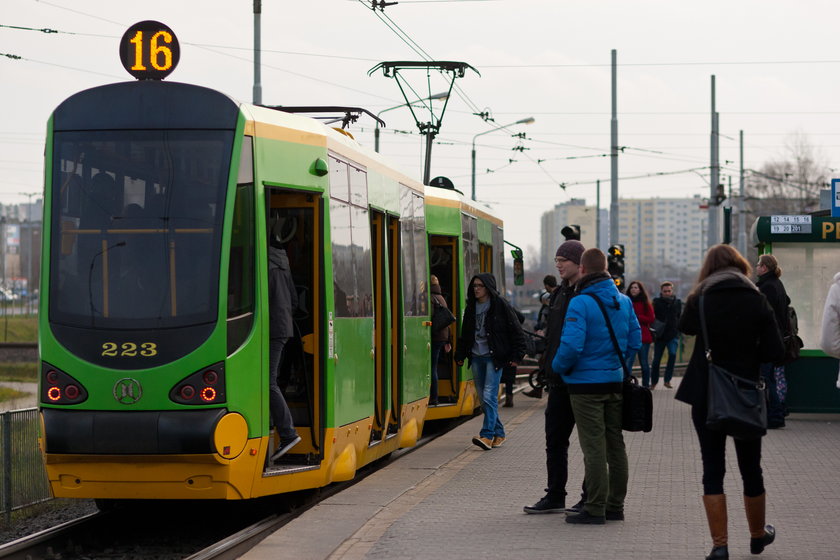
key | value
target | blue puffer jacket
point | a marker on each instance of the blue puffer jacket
(586, 356)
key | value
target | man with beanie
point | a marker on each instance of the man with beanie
(559, 421)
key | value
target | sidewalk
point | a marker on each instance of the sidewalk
(450, 499)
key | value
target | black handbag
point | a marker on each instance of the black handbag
(637, 404)
(441, 317)
(736, 406)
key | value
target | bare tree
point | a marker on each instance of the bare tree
(791, 183)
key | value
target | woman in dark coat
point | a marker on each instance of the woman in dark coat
(440, 340)
(769, 282)
(742, 335)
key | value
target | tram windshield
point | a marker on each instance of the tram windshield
(136, 227)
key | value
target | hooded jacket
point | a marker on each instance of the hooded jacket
(742, 332)
(830, 339)
(586, 356)
(504, 333)
(282, 295)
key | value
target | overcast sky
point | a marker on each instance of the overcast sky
(775, 64)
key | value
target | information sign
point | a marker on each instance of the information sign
(790, 224)
(149, 50)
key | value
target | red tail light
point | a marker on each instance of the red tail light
(58, 387)
(202, 387)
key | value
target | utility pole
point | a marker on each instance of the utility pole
(29, 251)
(742, 206)
(598, 213)
(614, 157)
(257, 84)
(715, 180)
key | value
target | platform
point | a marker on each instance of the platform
(450, 499)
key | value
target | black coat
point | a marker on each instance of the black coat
(504, 333)
(558, 304)
(773, 289)
(742, 332)
(668, 309)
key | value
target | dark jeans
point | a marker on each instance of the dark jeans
(437, 346)
(559, 423)
(281, 416)
(658, 350)
(643, 354)
(775, 408)
(713, 452)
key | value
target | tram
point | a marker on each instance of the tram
(160, 198)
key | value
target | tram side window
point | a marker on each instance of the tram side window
(413, 243)
(469, 234)
(240, 292)
(421, 273)
(351, 245)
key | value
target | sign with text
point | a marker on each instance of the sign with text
(835, 198)
(790, 224)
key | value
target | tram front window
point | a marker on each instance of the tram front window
(136, 227)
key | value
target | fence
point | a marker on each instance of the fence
(24, 480)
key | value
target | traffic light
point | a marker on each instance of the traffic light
(615, 265)
(571, 232)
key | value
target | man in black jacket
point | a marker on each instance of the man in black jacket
(667, 308)
(559, 420)
(282, 299)
(491, 338)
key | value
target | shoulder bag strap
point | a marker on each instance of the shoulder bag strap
(612, 334)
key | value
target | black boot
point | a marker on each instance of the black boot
(508, 400)
(534, 393)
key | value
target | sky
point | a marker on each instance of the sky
(775, 65)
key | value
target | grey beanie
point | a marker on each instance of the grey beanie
(571, 250)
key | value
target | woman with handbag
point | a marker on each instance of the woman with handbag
(440, 337)
(742, 334)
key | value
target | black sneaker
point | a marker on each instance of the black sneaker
(577, 508)
(584, 518)
(285, 445)
(614, 515)
(545, 506)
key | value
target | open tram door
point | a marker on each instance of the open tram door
(295, 220)
(443, 252)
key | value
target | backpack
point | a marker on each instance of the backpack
(791, 338)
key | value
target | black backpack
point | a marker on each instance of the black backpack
(791, 338)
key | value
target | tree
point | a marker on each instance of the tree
(790, 184)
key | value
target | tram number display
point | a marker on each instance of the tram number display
(790, 224)
(149, 50)
(129, 349)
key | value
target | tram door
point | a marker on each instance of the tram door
(395, 331)
(443, 252)
(295, 223)
(385, 373)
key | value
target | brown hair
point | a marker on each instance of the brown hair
(723, 256)
(771, 263)
(643, 295)
(593, 260)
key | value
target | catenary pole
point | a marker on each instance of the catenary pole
(614, 156)
(257, 83)
(715, 179)
(742, 206)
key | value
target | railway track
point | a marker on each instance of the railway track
(170, 530)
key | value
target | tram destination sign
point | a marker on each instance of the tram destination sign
(790, 224)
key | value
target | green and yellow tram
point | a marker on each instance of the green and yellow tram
(159, 198)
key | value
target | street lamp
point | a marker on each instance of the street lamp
(435, 97)
(529, 120)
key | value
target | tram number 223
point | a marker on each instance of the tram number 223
(129, 349)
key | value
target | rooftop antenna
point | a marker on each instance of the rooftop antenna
(431, 128)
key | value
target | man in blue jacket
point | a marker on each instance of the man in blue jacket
(594, 374)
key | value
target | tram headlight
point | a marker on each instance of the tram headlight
(206, 386)
(58, 387)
